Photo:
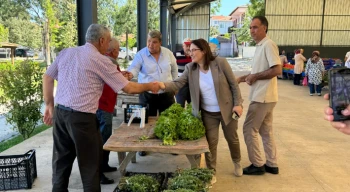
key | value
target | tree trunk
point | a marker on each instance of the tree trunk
(47, 43)
(127, 45)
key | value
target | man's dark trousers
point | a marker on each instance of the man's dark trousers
(76, 134)
(183, 95)
(157, 102)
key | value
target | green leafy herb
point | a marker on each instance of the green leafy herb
(203, 174)
(186, 182)
(179, 190)
(178, 123)
(190, 127)
(143, 138)
(139, 183)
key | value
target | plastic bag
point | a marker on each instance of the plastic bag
(305, 81)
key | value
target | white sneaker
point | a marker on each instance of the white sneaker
(213, 180)
(238, 169)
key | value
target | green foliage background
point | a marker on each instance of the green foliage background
(21, 87)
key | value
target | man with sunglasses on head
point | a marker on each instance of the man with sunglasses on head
(154, 63)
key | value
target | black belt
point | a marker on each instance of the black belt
(66, 108)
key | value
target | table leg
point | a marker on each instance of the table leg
(194, 160)
(125, 162)
(121, 157)
(133, 160)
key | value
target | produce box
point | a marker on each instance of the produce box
(129, 109)
(17, 171)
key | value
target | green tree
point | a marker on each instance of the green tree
(153, 14)
(24, 32)
(214, 30)
(67, 35)
(4, 34)
(125, 21)
(255, 8)
(14, 8)
(215, 7)
(43, 12)
(106, 11)
(22, 95)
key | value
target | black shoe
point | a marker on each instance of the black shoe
(109, 169)
(273, 170)
(252, 170)
(174, 154)
(142, 153)
(105, 180)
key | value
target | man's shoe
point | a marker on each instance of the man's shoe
(105, 180)
(109, 169)
(252, 170)
(142, 153)
(273, 170)
(238, 169)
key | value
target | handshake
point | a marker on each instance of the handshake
(156, 86)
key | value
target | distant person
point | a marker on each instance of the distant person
(263, 96)
(342, 126)
(315, 71)
(81, 73)
(347, 63)
(154, 63)
(182, 58)
(347, 56)
(284, 61)
(298, 66)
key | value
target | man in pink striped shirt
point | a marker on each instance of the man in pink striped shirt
(81, 73)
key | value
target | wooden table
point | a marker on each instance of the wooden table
(126, 139)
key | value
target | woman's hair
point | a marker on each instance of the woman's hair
(316, 53)
(203, 45)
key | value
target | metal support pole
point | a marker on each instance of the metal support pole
(87, 15)
(173, 32)
(163, 21)
(142, 23)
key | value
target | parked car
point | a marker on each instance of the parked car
(122, 53)
(24, 52)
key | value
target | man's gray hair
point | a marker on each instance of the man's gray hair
(113, 44)
(95, 32)
(155, 34)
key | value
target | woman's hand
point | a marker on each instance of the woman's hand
(238, 110)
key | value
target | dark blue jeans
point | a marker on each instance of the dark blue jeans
(312, 88)
(105, 124)
(183, 95)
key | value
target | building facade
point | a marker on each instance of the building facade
(237, 16)
(221, 22)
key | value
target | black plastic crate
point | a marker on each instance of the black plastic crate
(128, 111)
(18, 171)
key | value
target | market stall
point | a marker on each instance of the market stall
(128, 139)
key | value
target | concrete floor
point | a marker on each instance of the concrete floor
(312, 156)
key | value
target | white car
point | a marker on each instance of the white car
(122, 53)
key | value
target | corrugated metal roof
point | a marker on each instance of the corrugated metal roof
(178, 5)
